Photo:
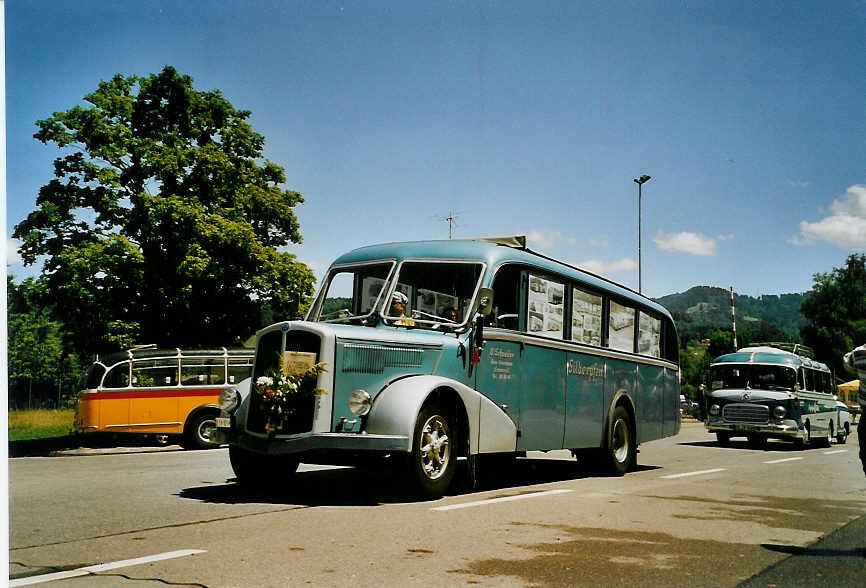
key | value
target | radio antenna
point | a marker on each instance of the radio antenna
(451, 219)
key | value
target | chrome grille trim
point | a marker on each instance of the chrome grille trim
(746, 413)
(373, 359)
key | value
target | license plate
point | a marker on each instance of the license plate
(745, 428)
(223, 422)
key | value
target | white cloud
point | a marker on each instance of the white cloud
(687, 242)
(798, 183)
(608, 267)
(845, 226)
(12, 251)
(543, 239)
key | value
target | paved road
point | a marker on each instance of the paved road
(694, 514)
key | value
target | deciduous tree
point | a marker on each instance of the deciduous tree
(163, 224)
(836, 310)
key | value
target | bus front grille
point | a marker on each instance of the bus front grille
(267, 363)
(746, 413)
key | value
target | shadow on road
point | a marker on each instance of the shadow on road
(771, 445)
(383, 484)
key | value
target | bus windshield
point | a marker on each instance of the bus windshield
(429, 294)
(433, 294)
(353, 292)
(742, 376)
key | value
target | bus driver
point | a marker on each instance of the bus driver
(398, 309)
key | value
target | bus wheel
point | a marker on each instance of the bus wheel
(199, 429)
(620, 451)
(261, 471)
(723, 439)
(806, 439)
(756, 441)
(842, 437)
(828, 441)
(434, 452)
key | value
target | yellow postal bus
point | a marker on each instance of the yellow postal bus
(160, 392)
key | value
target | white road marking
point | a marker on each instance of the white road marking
(502, 499)
(837, 451)
(687, 474)
(784, 460)
(103, 567)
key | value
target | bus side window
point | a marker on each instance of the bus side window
(506, 299)
(117, 377)
(621, 327)
(545, 302)
(154, 372)
(810, 380)
(649, 335)
(671, 347)
(240, 368)
(586, 309)
(201, 371)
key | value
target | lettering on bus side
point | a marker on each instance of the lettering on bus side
(574, 367)
(502, 361)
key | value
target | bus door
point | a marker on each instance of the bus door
(155, 397)
(585, 374)
(543, 365)
(499, 372)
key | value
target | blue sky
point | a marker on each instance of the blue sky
(522, 118)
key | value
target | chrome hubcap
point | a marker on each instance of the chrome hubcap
(435, 447)
(206, 429)
(619, 441)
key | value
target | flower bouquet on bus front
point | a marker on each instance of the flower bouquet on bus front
(281, 395)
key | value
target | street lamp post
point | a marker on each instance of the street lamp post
(640, 182)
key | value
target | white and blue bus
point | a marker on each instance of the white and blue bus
(436, 351)
(772, 391)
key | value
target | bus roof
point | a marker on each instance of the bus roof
(768, 354)
(494, 252)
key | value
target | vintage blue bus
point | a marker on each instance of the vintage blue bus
(772, 390)
(435, 351)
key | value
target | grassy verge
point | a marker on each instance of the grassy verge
(39, 424)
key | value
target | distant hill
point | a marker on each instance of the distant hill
(769, 316)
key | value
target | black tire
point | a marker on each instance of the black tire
(828, 440)
(621, 451)
(198, 430)
(256, 470)
(842, 436)
(723, 439)
(756, 441)
(807, 437)
(433, 460)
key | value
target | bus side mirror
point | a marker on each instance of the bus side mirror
(484, 304)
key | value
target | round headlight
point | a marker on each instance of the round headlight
(229, 399)
(714, 409)
(779, 412)
(360, 402)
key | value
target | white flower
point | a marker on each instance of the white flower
(265, 381)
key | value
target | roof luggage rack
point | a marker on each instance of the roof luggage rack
(795, 348)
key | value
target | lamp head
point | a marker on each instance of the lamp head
(643, 179)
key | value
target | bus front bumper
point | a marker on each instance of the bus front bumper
(787, 429)
(308, 443)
